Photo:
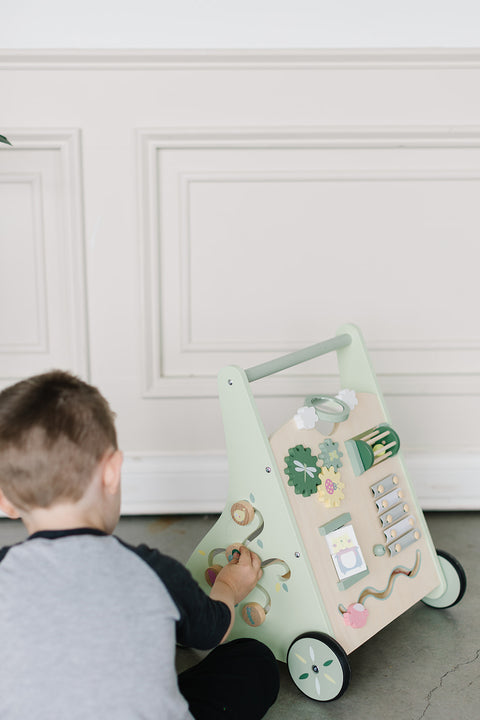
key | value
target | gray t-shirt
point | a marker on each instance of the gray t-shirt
(88, 627)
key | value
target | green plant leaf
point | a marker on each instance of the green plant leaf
(3, 139)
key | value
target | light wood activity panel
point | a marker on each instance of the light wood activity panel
(364, 535)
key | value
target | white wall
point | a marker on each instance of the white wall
(166, 213)
(239, 24)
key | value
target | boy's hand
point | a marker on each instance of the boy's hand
(241, 574)
(236, 580)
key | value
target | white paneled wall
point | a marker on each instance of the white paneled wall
(42, 273)
(164, 214)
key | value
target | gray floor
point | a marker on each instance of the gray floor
(425, 665)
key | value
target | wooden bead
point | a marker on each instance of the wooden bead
(253, 614)
(229, 551)
(211, 574)
(242, 512)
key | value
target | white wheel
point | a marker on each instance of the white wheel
(318, 666)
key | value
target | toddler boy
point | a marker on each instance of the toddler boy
(88, 624)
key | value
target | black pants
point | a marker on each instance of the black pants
(238, 681)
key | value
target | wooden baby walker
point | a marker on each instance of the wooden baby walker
(327, 504)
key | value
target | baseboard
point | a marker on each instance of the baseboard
(184, 484)
(179, 484)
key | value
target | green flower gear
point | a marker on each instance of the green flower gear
(302, 470)
(330, 454)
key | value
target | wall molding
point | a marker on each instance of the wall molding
(365, 138)
(328, 59)
(160, 339)
(67, 142)
(39, 343)
(169, 484)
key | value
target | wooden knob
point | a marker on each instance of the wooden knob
(229, 552)
(242, 512)
(253, 614)
(211, 574)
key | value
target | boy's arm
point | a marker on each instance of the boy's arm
(202, 622)
(236, 580)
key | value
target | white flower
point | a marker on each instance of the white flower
(306, 418)
(349, 397)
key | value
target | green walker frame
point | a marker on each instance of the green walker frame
(343, 541)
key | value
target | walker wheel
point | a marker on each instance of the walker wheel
(456, 582)
(242, 512)
(318, 666)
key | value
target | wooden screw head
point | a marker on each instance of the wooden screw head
(242, 512)
(253, 614)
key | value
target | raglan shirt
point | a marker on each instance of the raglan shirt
(88, 627)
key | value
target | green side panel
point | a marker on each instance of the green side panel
(296, 603)
(356, 369)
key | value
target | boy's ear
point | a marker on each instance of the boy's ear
(7, 507)
(112, 472)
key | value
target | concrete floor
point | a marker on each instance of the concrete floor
(423, 666)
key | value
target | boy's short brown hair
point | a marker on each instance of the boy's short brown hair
(54, 430)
